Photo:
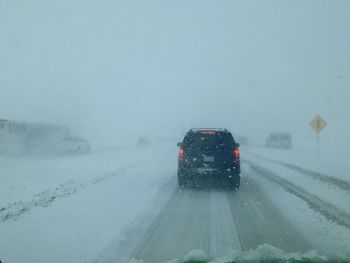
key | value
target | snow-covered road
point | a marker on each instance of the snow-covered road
(218, 222)
(124, 206)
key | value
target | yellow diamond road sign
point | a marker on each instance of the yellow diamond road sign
(318, 124)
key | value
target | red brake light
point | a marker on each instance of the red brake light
(181, 154)
(236, 155)
(208, 132)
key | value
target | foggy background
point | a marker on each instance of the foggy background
(116, 70)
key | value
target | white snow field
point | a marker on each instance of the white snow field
(69, 209)
(124, 206)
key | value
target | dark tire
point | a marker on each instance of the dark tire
(234, 184)
(182, 180)
(230, 187)
(237, 182)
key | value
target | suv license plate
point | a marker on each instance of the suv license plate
(208, 158)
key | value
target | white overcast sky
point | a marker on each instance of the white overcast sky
(136, 67)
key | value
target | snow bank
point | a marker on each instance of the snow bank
(268, 253)
(263, 253)
(196, 254)
(69, 209)
(330, 238)
(332, 163)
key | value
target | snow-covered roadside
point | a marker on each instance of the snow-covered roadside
(329, 163)
(108, 193)
(22, 178)
(329, 238)
(325, 191)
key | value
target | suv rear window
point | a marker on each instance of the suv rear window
(203, 147)
(208, 142)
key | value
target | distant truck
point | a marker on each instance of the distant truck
(24, 137)
(281, 140)
(17, 138)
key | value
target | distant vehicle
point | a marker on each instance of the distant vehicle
(282, 140)
(242, 140)
(75, 145)
(143, 142)
(24, 137)
(209, 156)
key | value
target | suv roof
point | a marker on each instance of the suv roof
(198, 132)
(208, 129)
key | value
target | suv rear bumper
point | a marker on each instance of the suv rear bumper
(202, 171)
(208, 174)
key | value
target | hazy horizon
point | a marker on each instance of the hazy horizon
(113, 69)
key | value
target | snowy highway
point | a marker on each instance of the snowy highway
(110, 110)
(217, 222)
(124, 206)
(269, 215)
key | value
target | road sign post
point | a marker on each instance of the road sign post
(318, 125)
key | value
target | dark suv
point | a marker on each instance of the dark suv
(209, 156)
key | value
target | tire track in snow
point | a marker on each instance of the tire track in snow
(214, 223)
(260, 222)
(328, 210)
(14, 210)
(345, 185)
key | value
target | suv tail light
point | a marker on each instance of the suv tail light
(208, 132)
(236, 155)
(181, 154)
